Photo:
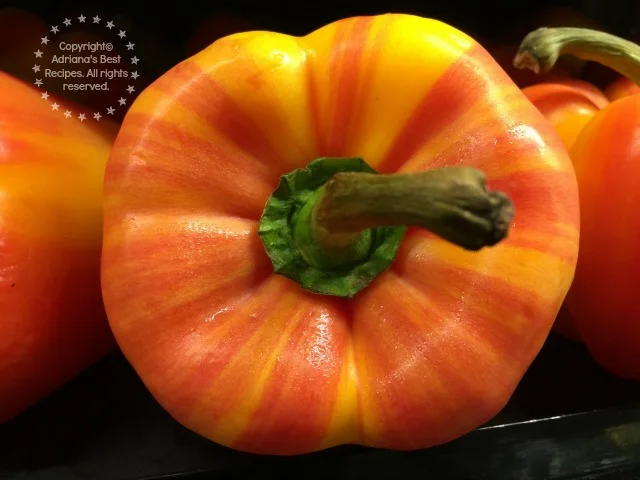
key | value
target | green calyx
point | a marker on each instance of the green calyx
(298, 246)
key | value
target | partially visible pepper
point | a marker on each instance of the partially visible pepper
(603, 300)
(52, 319)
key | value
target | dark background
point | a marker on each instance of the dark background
(172, 20)
(164, 31)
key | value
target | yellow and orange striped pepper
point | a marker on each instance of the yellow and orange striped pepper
(435, 345)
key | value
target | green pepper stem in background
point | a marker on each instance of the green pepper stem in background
(541, 48)
(337, 225)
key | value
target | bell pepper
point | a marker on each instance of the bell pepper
(294, 228)
(52, 319)
(606, 156)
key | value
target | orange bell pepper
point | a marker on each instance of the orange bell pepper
(606, 156)
(52, 319)
(275, 313)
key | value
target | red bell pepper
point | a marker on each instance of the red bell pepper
(280, 309)
(606, 156)
(52, 319)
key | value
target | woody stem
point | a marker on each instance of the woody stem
(333, 229)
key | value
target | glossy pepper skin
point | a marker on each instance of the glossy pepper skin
(603, 297)
(52, 319)
(435, 346)
(568, 104)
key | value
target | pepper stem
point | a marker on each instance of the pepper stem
(337, 224)
(452, 202)
(541, 48)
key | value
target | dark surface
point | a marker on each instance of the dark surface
(106, 426)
